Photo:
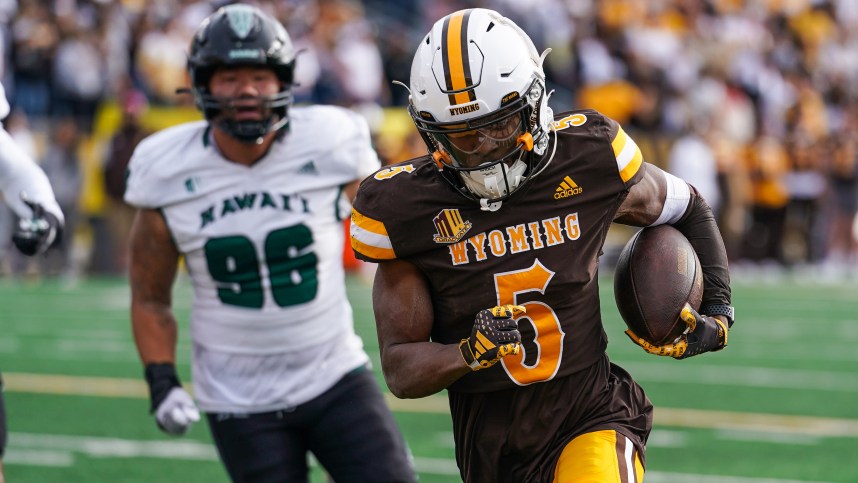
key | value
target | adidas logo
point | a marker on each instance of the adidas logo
(567, 188)
(308, 168)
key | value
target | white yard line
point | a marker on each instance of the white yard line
(437, 404)
(31, 449)
(662, 477)
(99, 447)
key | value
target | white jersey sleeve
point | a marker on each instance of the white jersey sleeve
(354, 145)
(4, 104)
(156, 165)
(20, 175)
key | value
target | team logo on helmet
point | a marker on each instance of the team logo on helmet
(241, 19)
(450, 226)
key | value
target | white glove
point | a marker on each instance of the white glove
(177, 412)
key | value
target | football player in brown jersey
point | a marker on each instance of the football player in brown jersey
(488, 251)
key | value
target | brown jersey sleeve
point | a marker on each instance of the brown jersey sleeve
(389, 207)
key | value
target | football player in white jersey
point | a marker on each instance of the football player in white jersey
(26, 189)
(254, 199)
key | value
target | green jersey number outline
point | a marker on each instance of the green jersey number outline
(292, 270)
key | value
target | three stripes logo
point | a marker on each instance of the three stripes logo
(450, 226)
(308, 168)
(482, 345)
(567, 188)
(456, 60)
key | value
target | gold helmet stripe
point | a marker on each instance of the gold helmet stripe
(457, 65)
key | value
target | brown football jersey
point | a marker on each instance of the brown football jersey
(539, 250)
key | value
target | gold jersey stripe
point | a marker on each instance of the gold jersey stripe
(627, 153)
(371, 251)
(369, 237)
(367, 223)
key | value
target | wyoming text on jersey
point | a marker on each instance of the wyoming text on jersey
(515, 239)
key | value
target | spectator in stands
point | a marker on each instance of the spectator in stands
(119, 214)
(843, 250)
(34, 37)
(79, 76)
(749, 66)
(768, 165)
(62, 165)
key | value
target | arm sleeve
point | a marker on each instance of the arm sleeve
(698, 225)
(20, 174)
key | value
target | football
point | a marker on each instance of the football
(656, 274)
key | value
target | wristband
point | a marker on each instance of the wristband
(161, 378)
(720, 309)
(468, 355)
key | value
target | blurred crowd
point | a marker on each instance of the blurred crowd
(753, 102)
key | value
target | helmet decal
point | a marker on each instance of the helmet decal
(242, 20)
(456, 59)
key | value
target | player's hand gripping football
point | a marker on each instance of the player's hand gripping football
(36, 234)
(704, 334)
(494, 335)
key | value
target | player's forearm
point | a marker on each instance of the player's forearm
(420, 369)
(155, 332)
(699, 227)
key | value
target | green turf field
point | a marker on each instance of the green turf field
(780, 405)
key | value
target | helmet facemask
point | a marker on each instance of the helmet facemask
(224, 112)
(489, 158)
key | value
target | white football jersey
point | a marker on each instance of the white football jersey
(20, 175)
(4, 104)
(270, 322)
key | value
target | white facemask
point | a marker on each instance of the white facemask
(489, 182)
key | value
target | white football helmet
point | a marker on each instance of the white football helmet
(478, 99)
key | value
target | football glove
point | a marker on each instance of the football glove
(36, 234)
(494, 335)
(175, 411)
(704, 334)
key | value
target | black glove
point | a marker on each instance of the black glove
(35, 235)
(704, 334)
(494, 335)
